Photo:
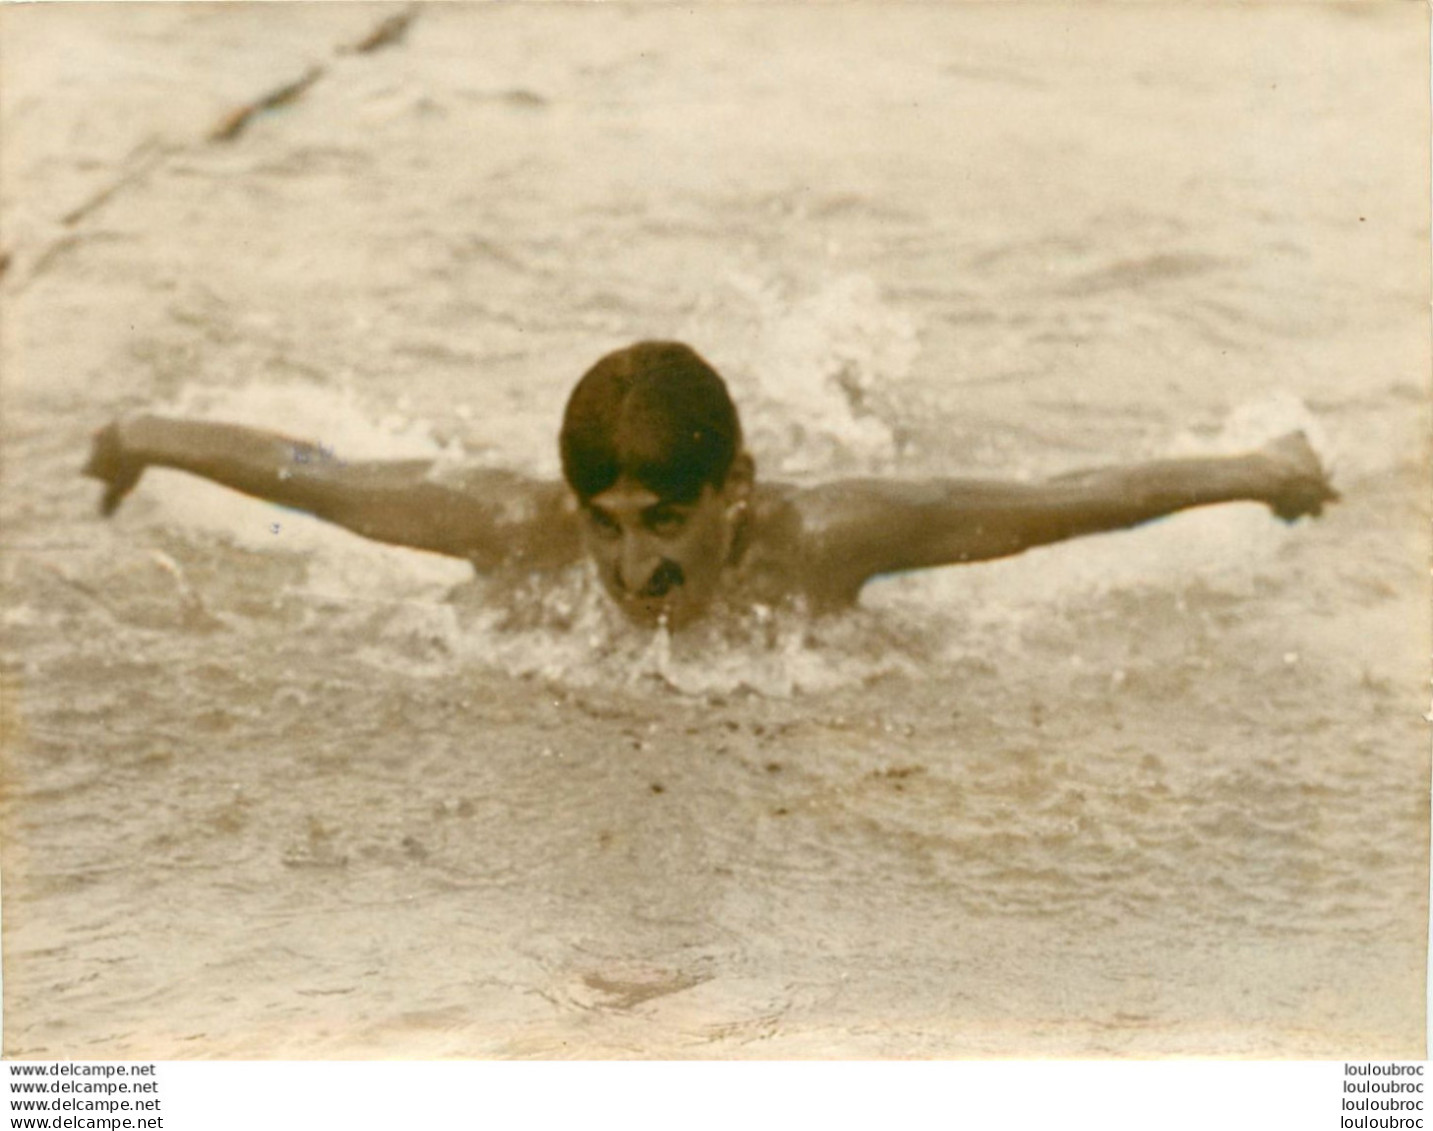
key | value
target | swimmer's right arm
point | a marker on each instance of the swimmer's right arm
(860, 529)
(493, 517)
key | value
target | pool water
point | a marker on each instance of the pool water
(271, 790)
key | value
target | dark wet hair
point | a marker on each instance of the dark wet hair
(655, 411)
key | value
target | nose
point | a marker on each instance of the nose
(639, 561)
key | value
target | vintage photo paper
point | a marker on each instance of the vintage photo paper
(275, 790)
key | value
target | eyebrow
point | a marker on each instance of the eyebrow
(645, 512)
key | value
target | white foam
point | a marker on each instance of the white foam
(818, 360)
(1254, 423)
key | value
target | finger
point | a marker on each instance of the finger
(100, 465)
(113, 495)
(115, 490)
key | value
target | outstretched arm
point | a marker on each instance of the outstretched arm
(491, 517)
(860, 529)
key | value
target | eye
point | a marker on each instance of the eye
(664, 519)
(603, 523)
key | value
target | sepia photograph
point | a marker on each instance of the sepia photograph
(714, 531)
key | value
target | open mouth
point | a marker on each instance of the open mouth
(664, 579)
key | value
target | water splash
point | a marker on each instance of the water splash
(398, 609)
(1253, 423)
(564, 629)
(818, 370)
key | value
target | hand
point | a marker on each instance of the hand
(1301, 486)
(113, 466)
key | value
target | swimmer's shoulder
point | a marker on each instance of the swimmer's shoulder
(779, 523)
(517, 520)
(834, 537)
(793, 544)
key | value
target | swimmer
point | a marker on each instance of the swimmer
(662, 497)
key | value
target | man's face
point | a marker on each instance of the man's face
(657, 558)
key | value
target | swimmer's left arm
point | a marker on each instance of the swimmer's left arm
(860, 529)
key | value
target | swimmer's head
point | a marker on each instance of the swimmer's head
(656, 413)
(651, 447)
